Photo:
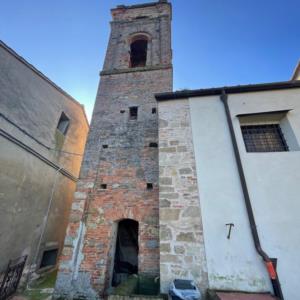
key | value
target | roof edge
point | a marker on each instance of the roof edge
(140, 5)
(44, 77)
(228, 89)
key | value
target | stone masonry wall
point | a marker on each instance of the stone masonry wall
(182, 253)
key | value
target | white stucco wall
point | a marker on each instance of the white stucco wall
(273, 181)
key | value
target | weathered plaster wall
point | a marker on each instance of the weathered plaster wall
(182, 252)
(35, 106)
(30, 108)
(273, 182)
(232, 263)
(26, 185)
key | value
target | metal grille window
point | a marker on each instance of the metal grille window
(264, 138)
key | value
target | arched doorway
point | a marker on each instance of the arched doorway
(126, 253)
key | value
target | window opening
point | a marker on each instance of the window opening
(149, 186)
(153, 145)
(264, 138)
(133, 113)
(63, 123)
(49, 258)
(104, 146)
(154, 110)
(127, 249)
(138, 53)
(122, 111)
(103, 186)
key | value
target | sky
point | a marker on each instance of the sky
(215, 42)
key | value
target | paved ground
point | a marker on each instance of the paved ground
(242, 296)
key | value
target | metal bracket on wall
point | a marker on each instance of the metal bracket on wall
(230, 229)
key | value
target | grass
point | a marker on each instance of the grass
(37, 289)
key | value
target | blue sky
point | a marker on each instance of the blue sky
(215, 42)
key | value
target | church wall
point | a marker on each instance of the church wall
(273, 183)
(273, 180)
(233, 264)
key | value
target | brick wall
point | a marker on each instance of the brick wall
(118, 155)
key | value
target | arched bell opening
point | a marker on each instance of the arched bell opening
(138, 52)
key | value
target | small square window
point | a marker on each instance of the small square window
(63, 123)
(154, 110)
(49, 258)
(103, 186)
(133, 113)
(104, 146)
(153, 145)
(264, 138)
(149, 186)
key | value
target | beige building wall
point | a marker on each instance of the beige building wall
(35, 158)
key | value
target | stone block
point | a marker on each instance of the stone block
(185, 237)
(169, 196)
(182, 149)
(164, 203)
(185, 171)
(165, 233)
(168, 149)
(166, 189)
(179, 249)
(167, 214)
(165, 181)
(165, 248)
(191, 212)
(169, 258)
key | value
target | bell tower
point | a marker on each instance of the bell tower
(114, 223)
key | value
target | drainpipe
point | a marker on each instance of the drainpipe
(267, 260)
(46, 217)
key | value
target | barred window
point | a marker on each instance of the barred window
(264, 138)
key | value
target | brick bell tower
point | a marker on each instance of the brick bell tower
(113, 228)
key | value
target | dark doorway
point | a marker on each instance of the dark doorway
(49, 258)
(127, 250)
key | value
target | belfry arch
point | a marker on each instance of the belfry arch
(139, 50)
